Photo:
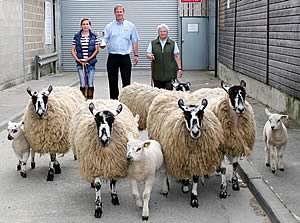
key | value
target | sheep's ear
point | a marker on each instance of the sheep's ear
(189, 84)
(119, 109)
(92, 107)
(130, 136)
(225, 87)
(181, 105)
(203, 104)
(284, 117)
(243, 83)
(50, 88)
(29, 91)
(267, 112)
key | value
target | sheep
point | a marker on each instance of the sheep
(181, 86)
(190, 139)
(276, 138)
(20, 146)
(237, 118)
(47, 117)
(98, 132)
(145, 159)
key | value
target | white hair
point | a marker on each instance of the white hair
(162, 26)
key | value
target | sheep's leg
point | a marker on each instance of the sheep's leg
(98, 201)
(136, 193)
(32, 159)
(223, 192)
(50, 175)
(273, 157)
(194, 195)
(56, 165)
(165, 186)
(19, 165)
(267, 156)
(235, 180)
(23, 167)
(185, 185)
(114, 195)
(146, 197)
(280, 157)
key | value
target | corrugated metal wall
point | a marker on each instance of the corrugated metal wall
(262, 41)
(145, 14)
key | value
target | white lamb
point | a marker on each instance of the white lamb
(275, 137)
(20, 146)
(145, 159)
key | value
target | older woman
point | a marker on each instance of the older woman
(85, 48)
(164, 54)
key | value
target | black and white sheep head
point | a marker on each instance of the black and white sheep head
(135, 148)
(104, 120)
(40, 101)
(14, 129)
(275, 120)
(181, 86)
(237, 96)
(193, 115)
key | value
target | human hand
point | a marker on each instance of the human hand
(151, 56)
(135, 60)
(179, 74)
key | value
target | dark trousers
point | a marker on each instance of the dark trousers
(114, 63)
(163, 84)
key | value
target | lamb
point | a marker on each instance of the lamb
(237, 118)
(47, 117)
(276, 138)
(98, 132)
(20, 146)
(181, 86)
(145, 159)
(190, 139)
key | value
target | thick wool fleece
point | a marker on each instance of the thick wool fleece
(95, 160)
(239, 132)
(138, 98)
(183, 155)
(51, 134)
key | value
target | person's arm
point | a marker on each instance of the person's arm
(94, 54)
(135, 46)
(178, 62)
(73, 52)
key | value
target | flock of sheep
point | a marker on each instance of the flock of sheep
(190, 133)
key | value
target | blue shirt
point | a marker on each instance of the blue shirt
(119, 37)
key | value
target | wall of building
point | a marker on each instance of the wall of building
(11, 43)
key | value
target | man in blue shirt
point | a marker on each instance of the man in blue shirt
(120, 37)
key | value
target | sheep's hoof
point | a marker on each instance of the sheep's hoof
(235, 184)
(267, 164)
(281, 169)
(23, 174)
(50, 175)
(32, 165)
(98, 212)
(18, 167)
(115, 199)
(165, 194)
(57, 169)
(92, 185)
(145, 218)
(194, 201)
(223, 192)
(273, 171)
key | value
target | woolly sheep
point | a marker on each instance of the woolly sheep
(47, 119)
(237, 118)
(181, 86)
(276, 138)
(145, 159)
(20, 146)
(190, 138)
(98, 132)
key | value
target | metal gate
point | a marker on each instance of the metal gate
(195, 43)
(145, 14)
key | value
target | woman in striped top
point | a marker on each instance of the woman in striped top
(85, 48)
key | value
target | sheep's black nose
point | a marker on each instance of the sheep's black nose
(129, 158)
(272, 127)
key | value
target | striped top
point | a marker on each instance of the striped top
(85, 45)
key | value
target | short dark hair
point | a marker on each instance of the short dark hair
(119, 5)
(85, 19)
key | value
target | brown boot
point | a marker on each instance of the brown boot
(90, 93)
(83, 91)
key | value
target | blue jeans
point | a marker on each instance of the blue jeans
(89, 81)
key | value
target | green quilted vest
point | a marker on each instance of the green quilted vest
(164, 67)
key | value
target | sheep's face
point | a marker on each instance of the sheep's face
(104, 122)
(40, 101)
(185, 87)
(13, 129)
(193, 115)
(237, 96)
(275, 120)
(135, 149)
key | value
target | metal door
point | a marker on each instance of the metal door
(194, 42)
